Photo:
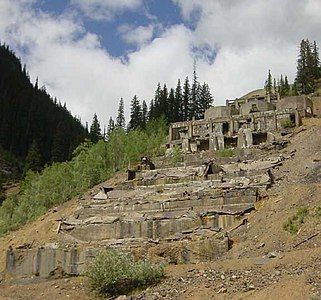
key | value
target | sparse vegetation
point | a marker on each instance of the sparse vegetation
(293, 224)
(177, 155)
(225, 153)
(113, 272)
(91, 164)
(318, 212)
(286, 124)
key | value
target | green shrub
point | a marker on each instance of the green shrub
(287, 123)
(113, 272)
(318, 212)
(177, 155)
(294, 223)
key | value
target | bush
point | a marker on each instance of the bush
(287, 124)
(294, 223)
(113, 272)
(177, 155)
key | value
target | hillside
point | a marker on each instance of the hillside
(265, 261)
(29, 115)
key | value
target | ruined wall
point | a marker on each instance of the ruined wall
(316, 106)
(216, 112)
(302, 103)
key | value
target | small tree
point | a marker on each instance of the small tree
(120, 120)
(95, 131)
(268, 84)
(33, 159)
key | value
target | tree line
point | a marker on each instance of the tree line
(32, 124)
(308, 72)
(182, 103)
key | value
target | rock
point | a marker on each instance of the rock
(272, 254)
(122, 297)
(251, 287)
(261, 245)
(222, 290)
(222, 277)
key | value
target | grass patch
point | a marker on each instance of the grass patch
(225, 153)
(293, 224)
(318, 212)
(114, 273)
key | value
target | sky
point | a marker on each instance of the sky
(90, 53)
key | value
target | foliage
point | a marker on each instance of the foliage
(318, 212)
(293, 223)
(308, 67)
(33, 159)
(95, 131)
(268, 84)
(91, 164)
(177, 155)
(28, 113)
(113, 273)
(287, 123)
(225, 152)
(120, 120)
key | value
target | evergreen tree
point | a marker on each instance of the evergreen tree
(95, 131)
(157, 102)
(135, 114)
(120, 120)
(151, 112)
(206, 100)
(61, 143)
(33, 159)
(268, 84)
(316, 61)
(275, 89)
(111, 128)
(177, 108)
(194, 97)
(186, 100)
(164, 103)
(286, 88)
(172, 114)
(144, 114)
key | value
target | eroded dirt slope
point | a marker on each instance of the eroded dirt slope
(265, 262)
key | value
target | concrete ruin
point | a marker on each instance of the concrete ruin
(241, 123)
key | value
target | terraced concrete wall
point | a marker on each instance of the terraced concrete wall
(46, 262)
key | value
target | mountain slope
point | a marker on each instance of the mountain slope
(29, 114)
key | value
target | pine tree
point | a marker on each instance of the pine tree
(95, 131)
(286, 88)
(157, 102)
(316, 61)
(194, 106)
(61, 143)
(144, 114)
(110, 128)
(274, 86)
(172, 114)
(268, 84)
(164, 103)
(135, 114)
(120, 120)
(33, 160)
(178, 114)
(151, 111)
(186, 100)
(206, 100)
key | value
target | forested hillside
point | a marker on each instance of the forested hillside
(30, 120)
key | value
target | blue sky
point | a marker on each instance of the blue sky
(164, 12)
(90, 53)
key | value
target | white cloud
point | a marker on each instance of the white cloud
(105, 9)
(137, 36)
(248, 38)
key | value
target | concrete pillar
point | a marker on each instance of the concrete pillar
(241, 138)
(190, 130)
(220, 141)
(170, 133)
(248, 137)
